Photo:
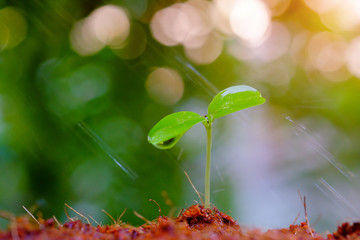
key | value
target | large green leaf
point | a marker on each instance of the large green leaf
(168, 131)
(233, 99)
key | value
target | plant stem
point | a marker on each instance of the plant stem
(208, 163)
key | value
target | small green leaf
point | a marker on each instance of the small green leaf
(168, 131)
(233, 99)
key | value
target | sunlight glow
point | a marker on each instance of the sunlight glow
(352, 57)
(182, 23)
(275, 46)
(345, 17)
(83, 41)
(326, 52)
(221, 14)
(208, 52)
(277, 7)
(322, 6)
(277, 73)
(165, 86)
(250, 20)
(108, 25)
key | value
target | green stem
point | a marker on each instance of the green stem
(208, 163)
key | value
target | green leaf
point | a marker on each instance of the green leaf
(168, 131)
(233, 99)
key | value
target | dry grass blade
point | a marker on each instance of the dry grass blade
(141, 217)
(202, 201)
(6, 215)
(303, 200)
(57, 221)
(152, 200)
(31, 215)
(67, 215)
(94, 220)
(298, 215)
(109, 215)
(121, 215)
(78, 213)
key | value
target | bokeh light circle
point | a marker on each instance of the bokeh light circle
(110, 25)
(276, 45)
(165, 86)
(208, 52)
(13, 27)
(250, 20)
(182, 23)
(82, 39)
(326, 52)
(107, 25)
(352, 57)
(344, 17)
(322, 6)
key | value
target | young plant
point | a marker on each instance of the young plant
(168, 131)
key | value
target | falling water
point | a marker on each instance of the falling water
(108, 150)
(320, 149)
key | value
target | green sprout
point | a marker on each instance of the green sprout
(168, 131)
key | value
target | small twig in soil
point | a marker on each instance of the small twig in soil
(296, 219)
(78, 213)
(141, 217)
(67, 215)
(94, 220)
(109, 215)
(303, 200)
(152, 200)
(57, 221)
(31, 215)
(121, 215)
(181, 212)
(6, 215)
(202, 201)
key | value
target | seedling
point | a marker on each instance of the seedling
(168, 131)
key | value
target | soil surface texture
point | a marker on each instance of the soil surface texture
(196, 222)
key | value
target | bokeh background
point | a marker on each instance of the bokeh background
(82, 83)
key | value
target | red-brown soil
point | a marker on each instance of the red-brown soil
(196, 222)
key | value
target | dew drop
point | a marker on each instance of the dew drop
(168, 143)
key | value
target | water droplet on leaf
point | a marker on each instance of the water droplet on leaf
(168, 143)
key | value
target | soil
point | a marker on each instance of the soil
(196, 222)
